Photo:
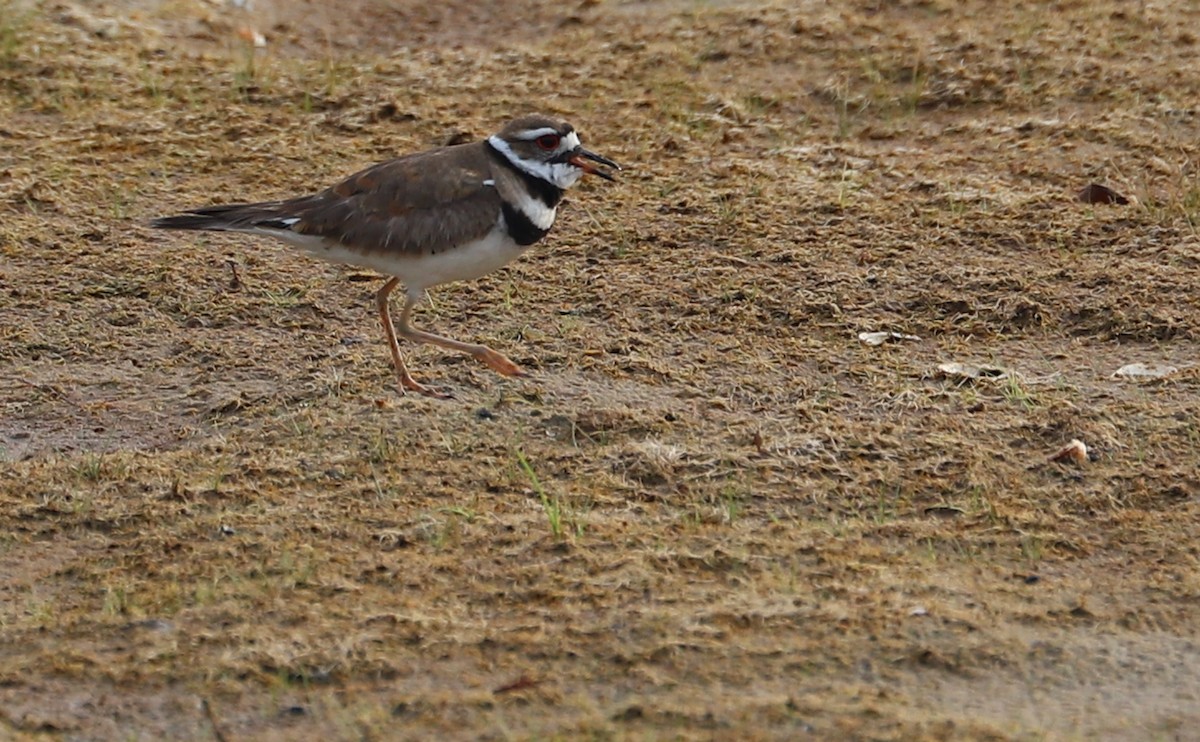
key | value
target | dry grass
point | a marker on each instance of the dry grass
(711, 512)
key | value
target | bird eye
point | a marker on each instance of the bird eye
(548, 141)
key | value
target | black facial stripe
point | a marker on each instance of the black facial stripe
(520, 227)
(542, 190)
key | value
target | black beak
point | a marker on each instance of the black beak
(580, 158)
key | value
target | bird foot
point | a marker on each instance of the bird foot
(499, 363)
(410, 384)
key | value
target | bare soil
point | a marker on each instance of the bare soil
(712, 511)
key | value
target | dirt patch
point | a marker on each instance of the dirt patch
(711, 510)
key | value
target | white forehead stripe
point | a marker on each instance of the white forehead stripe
(532, 134)
(571, 140)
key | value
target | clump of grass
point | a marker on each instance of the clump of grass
(884, 507)
(448, 529)
(916, 89)
(1015, 392)
(42, 612)
(732, 506)
(552, 506)
(380, 449)
(1031, 548)
(14, 25)
(247, 76)
(465, 514)
(91, 469)
(1189, 205)
(850, 109)
(296, 571)
(118, 600)
(97, 467)
(286, 297)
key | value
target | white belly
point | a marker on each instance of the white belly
(417, 272)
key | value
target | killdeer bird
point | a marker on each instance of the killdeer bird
(448, 214)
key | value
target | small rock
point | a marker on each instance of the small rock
(1144, 371)
(879, 338)
(629, 713)
(1095, 193)
(972, 371)
(1075, 452)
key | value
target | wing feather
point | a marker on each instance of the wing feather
(410, 205)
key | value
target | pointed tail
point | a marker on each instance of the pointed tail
(229, 218)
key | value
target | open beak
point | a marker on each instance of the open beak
(583, 160)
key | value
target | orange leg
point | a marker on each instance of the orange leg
(406, 379)
(491, 358)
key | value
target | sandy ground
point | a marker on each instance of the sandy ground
(712, 511)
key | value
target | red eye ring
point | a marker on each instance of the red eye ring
(548, 142)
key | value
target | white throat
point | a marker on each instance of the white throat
(561, 174)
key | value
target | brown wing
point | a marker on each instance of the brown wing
(412, 205)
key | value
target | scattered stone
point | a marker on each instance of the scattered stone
(1144, 371)
(879, 338)
(1094, 193)
(630, 713)
(972, 371)
(1075, 452)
